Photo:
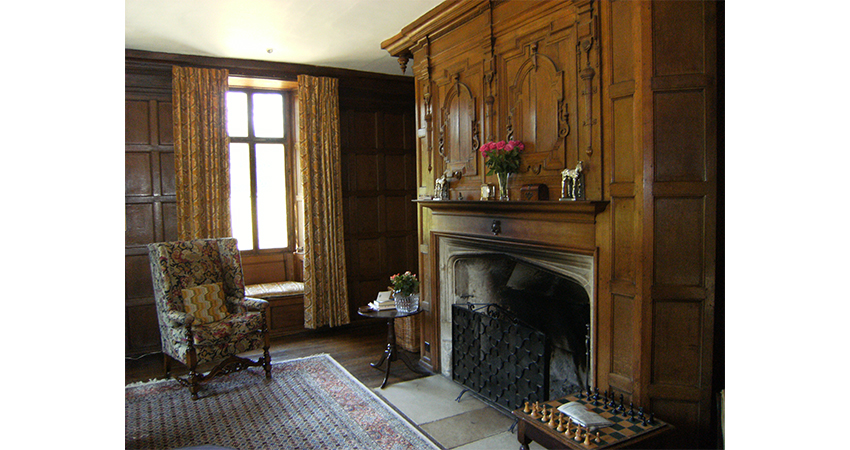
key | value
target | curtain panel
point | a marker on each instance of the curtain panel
(201, 153)
(325, 284)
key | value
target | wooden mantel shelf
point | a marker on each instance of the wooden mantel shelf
(496, 206)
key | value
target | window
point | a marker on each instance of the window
(261, 206)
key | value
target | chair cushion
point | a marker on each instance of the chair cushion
(205, 303)
(276, 289)
(233, 327)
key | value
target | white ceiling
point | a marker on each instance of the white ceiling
(332, 33)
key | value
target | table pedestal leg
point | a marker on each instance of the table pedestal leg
(390, 353)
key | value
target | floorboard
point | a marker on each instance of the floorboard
(354, 346)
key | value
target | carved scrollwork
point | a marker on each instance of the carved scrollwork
(563, 118)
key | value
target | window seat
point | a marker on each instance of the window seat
(286, 305)
(275, 289)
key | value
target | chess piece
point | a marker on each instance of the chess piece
(560, 423)
(546, 413)
(527, 408)
(578, 433)
(587, 437)
(535, 411)
(569, 431)
(605, 404)
(597, 440)
(640, 412)
(651, 420)
(622, 406)
(631, 412)
(552, 423)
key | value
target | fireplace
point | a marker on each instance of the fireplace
(550, 290)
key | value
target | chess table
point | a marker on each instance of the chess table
(622, 434)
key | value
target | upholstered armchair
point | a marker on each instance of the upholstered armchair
(203, 313)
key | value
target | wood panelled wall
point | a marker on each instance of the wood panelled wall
(377, 135)
(630, 89)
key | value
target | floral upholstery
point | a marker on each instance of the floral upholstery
(187, 264)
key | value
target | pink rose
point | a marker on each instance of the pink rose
(500, 145)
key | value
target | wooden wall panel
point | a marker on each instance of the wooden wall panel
(139, 224)
(622, 41)
(623, 149)
(149, 202)
(622, 332)
(679, 37)
(136, 122)
(677, 341)
(624, 251)
(137, 287)
(679, 241)
(680, 135)
(137, 174)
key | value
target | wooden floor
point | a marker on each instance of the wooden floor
(354, 346)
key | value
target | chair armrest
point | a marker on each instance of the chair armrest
(249, 303)
(178, 318)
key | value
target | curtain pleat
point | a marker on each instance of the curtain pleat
(201, 152)
(325, 284)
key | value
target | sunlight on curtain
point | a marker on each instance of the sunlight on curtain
(201, 152)
(325, 284)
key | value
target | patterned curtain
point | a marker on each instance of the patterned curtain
(325, 285)
(201, 153)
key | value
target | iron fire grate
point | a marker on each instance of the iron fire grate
(497, 356)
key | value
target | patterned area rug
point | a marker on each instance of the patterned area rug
(310, 403)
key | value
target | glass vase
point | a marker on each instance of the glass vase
(504, 191)
(406, 303)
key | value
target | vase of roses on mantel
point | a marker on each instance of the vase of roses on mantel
(405, 288)
(503, 160)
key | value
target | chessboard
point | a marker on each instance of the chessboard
(630, 424)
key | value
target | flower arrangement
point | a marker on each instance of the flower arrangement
(502, 157)
(406, 283)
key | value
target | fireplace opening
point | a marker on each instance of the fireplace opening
(537, 294)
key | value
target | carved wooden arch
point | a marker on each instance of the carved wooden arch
(459, 129)
(538, 113)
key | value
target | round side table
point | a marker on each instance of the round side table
(391, 353)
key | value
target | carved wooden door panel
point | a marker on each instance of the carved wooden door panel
(458, 124)
(539, 106)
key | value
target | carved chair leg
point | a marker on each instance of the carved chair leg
(267, 362)
(194, 383)
(166, 363)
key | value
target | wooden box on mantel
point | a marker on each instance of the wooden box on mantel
(534, 192)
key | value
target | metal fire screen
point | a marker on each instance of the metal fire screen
(497, 356)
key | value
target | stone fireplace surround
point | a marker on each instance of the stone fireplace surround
(559, 237)
(466, 275)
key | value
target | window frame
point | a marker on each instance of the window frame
(290, 161)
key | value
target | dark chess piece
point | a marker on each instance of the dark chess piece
(631, 412)
(579, 393)
(622, 406)
(640, 412)
(644, 420)
(651, 420)
(605, 404)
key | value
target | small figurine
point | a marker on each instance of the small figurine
(441, 188)
(572, 183)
